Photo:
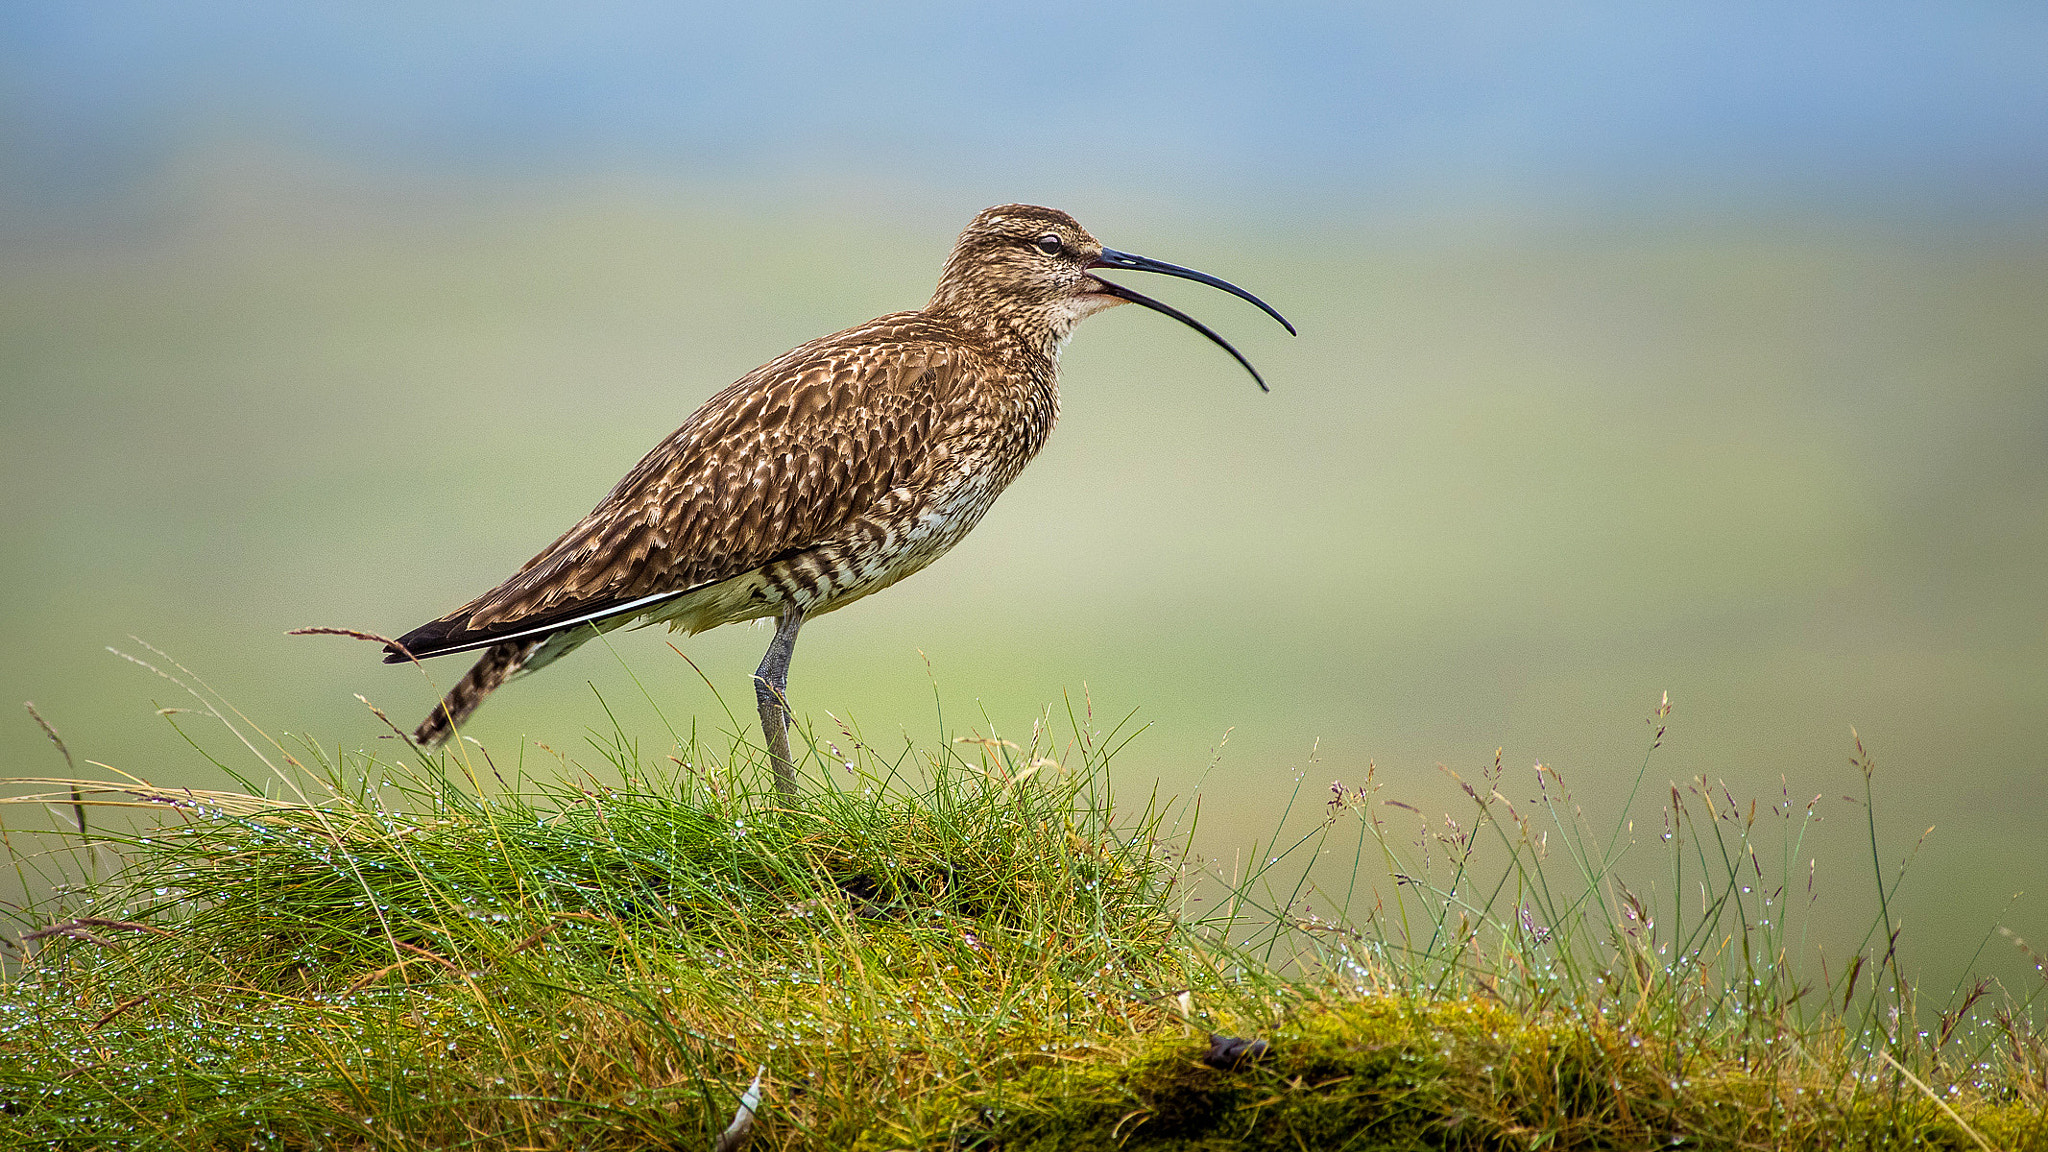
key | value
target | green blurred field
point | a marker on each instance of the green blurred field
(1514, 481)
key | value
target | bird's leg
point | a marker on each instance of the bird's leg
(771, 689)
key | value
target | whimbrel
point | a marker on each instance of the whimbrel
(820, 477)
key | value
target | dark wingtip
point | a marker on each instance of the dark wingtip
(425, 640)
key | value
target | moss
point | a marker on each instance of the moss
(1386, 1074)
(1376, 1073)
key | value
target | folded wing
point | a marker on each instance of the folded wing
(770, 466)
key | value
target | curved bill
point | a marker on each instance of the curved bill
(1111, 258)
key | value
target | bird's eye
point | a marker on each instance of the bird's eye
(1050, 244)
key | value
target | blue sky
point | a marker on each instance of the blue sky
(1740, 100)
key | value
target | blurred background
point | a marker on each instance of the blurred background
(1644, 349)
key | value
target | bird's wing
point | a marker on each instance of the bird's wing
(769, 466)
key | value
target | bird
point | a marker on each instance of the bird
(821, 477)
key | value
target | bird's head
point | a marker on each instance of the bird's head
(1032, 271)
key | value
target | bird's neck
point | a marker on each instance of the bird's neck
(1027, 341)
(1024, 357)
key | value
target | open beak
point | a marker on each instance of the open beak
(1111, 258)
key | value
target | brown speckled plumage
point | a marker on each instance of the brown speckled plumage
(818, 478)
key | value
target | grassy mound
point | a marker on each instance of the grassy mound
(417, 963)
(969, 948)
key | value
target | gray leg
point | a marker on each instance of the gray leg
(771, 689)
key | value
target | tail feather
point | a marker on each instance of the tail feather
(500, 663)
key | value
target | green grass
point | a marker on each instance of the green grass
(1526, 470)
(975, 945)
